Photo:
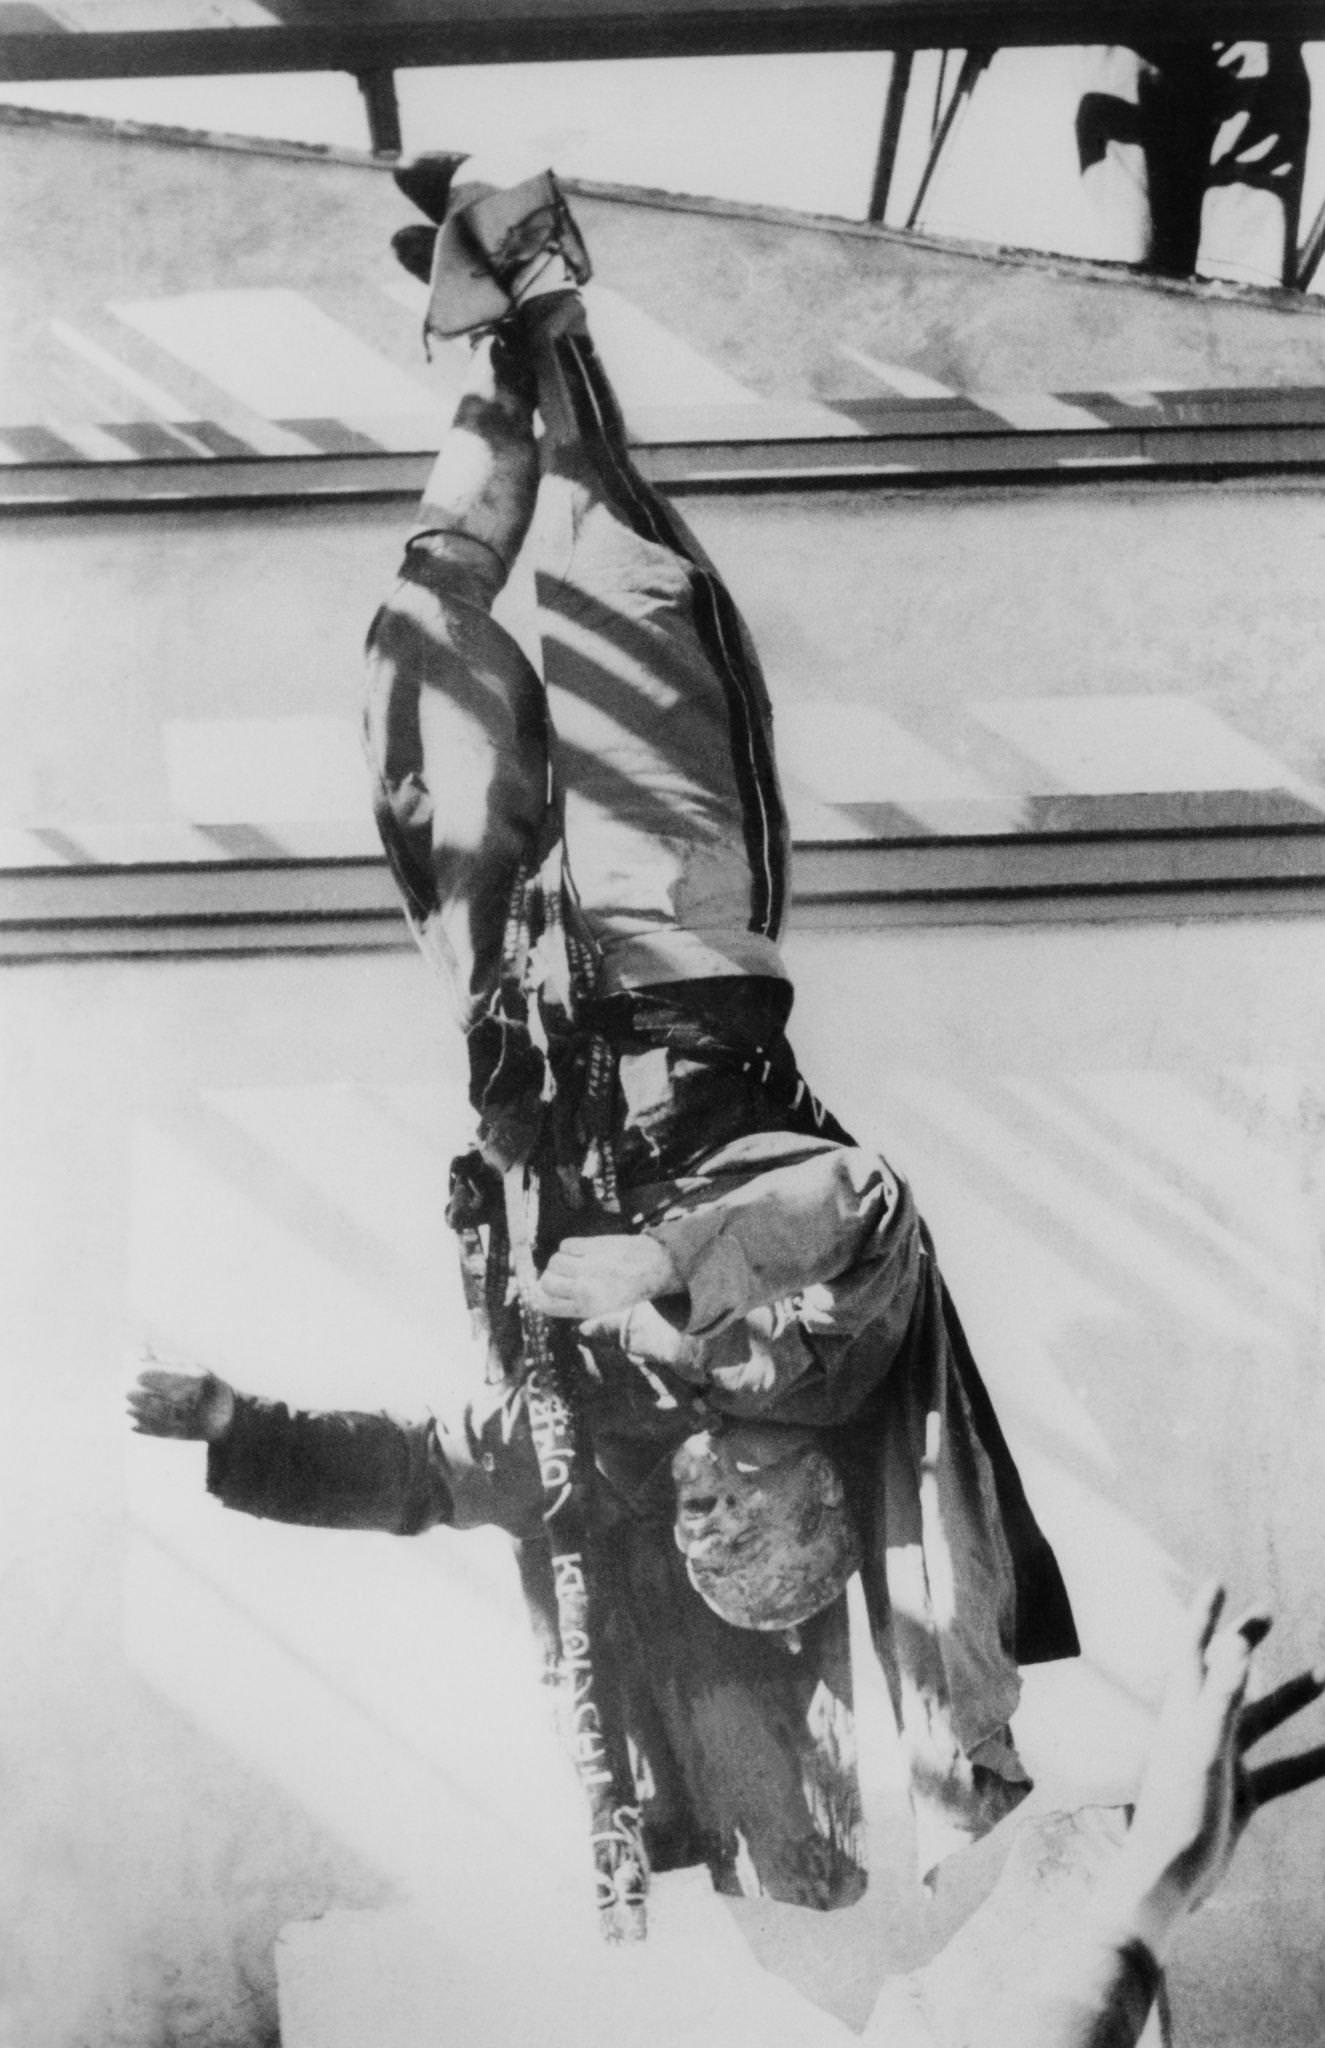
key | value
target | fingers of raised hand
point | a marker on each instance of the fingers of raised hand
(1203, 1616)
(1287, 1774)
(1230, 1650)
(1227, 1666)
(1187, 1672)
(1284, 1774)
(1258, 1717)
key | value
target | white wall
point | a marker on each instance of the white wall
(210, 1727)
(1115, 638)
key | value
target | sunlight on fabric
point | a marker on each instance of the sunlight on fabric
(614, 687)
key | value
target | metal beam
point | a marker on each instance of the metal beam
(974, 62)
(380, 35)
(1312, 253)
(894, 109)
(383, 110)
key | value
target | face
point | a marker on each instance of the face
(762, 1524)
(735, 1487)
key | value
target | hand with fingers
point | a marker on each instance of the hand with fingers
(1199, 1790)
(1096, 1982)
(195, 1406)
(587, 1277)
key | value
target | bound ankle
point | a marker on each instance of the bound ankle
(558, 309)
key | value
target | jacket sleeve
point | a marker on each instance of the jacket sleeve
(836, 1229)
(344, 1470)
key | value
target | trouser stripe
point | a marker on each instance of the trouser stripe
(719, 630)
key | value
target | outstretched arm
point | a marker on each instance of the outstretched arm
(330, 1470)
(1198, 1794)
(342, 1469)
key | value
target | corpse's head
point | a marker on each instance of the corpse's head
(762, 1522)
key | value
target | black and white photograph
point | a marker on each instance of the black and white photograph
(662, 1019)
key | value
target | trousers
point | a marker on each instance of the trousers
(645, 749)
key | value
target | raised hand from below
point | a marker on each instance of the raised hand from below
(1199, 1790)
